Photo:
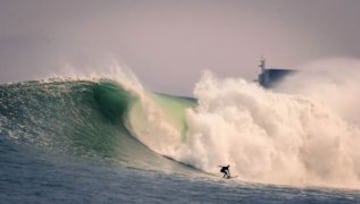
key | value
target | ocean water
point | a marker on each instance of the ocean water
(31, 177)
(104, 141)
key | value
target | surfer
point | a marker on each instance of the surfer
(225, 170)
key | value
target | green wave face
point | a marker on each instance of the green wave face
(62, 115)
(82, 118)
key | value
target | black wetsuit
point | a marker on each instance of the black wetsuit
(225, 170)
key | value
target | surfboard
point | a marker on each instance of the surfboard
(231, 177)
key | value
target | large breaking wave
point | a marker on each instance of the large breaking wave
(86, 118)
(289, 135)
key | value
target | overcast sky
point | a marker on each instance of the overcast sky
(168, 44)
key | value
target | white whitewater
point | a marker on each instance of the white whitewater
(309, 136)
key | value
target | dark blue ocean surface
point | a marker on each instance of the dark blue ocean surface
(28, 176)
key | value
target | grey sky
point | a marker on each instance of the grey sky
(168, 43)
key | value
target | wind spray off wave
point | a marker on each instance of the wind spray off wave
(80, 116)
(270, 137)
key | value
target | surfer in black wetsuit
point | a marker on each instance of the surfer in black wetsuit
(225, 170)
